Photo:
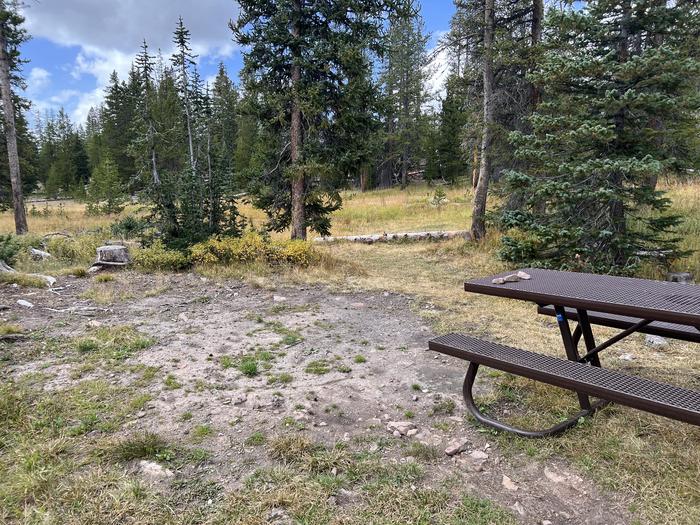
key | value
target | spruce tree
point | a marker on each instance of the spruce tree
(295, 68)
(617, 105)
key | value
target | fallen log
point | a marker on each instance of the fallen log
(5, 268)
(392, 237)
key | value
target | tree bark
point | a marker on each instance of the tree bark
(364, 178)
(475, 165)
(482, 187)
(8, 107)
(535, 39)
(298, 182)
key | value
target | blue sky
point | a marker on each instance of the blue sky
(76, 44)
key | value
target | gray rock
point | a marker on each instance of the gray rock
(25, 304)
(402, 427)
(117, 255)
(655, 341)
(154, 471)
(39, 255)
(455, 447)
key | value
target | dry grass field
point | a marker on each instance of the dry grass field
(642, 468)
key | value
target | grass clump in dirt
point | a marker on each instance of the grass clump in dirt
(23, 279)
(248, 366)
(10, 329)
(114, 342)
(142, 446)
(443, 407)
(318, 367)
(359, 359)
(171, 383)
(256, 439)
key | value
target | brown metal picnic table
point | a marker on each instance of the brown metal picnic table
(632, 305)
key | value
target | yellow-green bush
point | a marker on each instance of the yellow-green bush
(253, 247)
(82, 248)
(158, 258)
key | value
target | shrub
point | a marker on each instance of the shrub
(157, 258)
(9, 248)
(130, 227)
(253, 247)
(82, 248)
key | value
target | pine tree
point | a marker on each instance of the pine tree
(617, 105)
(295, 68)
(105, 193)
(404, 79)
(12, 35)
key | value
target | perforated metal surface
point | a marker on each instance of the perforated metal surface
(659, 398)
(645, 299)
(672, 330)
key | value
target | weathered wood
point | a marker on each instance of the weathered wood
(389, 237)
(38, 255)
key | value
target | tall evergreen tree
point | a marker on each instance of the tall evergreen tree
(12, 35)
(404, 77)
(617, 106)
(296, 68)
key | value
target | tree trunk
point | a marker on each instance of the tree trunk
(535, 39)
(482, 187)
(364, 178)
(8, 107)
(617, 207)
(298, 182)
(475, 165)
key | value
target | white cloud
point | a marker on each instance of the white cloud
(38, 79)
(123, 24)
(110, 33)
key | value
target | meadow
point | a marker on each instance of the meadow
(650, 463)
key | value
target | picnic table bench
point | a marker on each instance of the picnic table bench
(631, 305)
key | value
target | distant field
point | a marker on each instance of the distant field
(377, 211)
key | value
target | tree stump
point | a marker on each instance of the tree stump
(116, 255)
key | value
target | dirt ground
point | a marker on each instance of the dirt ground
(337, 366)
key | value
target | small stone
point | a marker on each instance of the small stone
(546, 522)
(402, 427)
(397, 434)
(512, 278)
(508, 483)
(412, 432)
(279, 298)
(478, 455)
(524, 276)
(25, 304)
(94, 323)
(554, 477)
(627, 357)
(455, 447)
(517, 506)
(655, 341)
(498, 280)
(39, 255)
(415, 398)
(323, 424)
(154, 471)
(240, 399)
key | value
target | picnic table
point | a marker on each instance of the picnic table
(631, 305)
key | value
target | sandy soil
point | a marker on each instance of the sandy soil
(197, 322)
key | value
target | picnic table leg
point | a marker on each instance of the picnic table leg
(486, 420)
(571, 348)
(585, 325)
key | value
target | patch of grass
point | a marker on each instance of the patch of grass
(114, 342)
(359, 359)
(171, 383)
(226, 362)
(443, 407)
(186, 416)
(318, 367)
(255, 440)
(201, 432)
(22, 279)
(104, 278)
(142, 446)
(283, 378)
(423, 452)
(10, 329)
(409, 414)
(416, 387)
(248, 367)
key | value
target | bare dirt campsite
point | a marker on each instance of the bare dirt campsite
(271, 394)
